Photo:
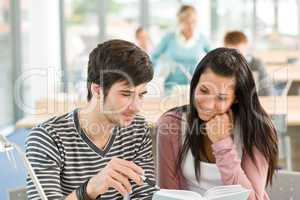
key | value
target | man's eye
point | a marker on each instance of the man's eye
(126, 94)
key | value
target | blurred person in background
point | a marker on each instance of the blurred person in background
(238, 40)
(179, 51)
(143, 39)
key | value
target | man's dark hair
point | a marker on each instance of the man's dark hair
(115, 61)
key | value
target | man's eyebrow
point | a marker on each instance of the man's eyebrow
(144, 92)
(130, 91)
(126, 91)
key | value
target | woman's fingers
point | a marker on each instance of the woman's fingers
(220, 126)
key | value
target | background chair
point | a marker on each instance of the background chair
(285, 186)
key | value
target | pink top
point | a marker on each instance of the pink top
(233, 170)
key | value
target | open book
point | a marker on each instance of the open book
(228, 192)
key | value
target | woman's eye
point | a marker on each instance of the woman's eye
(222, 98)
(203, 90)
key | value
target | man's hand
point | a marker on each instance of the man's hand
(115, 175)
(220, 126)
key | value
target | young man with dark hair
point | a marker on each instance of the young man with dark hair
(99, 151)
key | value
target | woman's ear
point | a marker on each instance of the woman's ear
(235, 101)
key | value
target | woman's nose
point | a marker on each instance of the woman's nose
(209, 104)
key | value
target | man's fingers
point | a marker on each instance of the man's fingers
(118, 186)
(128, 172)
(131, 165)
(122, 179)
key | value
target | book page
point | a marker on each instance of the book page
(223, 189)
(164, 194)
(243, 195)
(228, 192)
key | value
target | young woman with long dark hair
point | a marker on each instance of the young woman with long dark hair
(223, 136)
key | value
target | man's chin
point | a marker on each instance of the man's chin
(126, 122)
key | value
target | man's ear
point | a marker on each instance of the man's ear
(96, 90)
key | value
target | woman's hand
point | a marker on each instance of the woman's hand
(220, 126)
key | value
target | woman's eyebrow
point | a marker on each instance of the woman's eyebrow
(203, 86)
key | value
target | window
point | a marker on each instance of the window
(82, 35)
(228, 19)
(122, 19)
(161, 22)
(7, 116)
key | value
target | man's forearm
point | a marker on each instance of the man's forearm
(71, 196)
(89, 192)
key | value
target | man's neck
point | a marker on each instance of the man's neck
(95, 124)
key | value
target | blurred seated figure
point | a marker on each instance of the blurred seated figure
(238, 40)
(143, 39)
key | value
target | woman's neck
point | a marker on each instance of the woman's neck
(187, 36)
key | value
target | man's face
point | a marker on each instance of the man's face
(123, 102)
(142, 37)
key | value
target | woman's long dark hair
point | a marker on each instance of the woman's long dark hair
(256, 127)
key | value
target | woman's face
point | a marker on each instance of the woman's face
(214, 94)
(188, 25)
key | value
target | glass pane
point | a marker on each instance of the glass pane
(82, 29)
(233, 19)
(288, 12)
(238, 15)
(25, 45)
(122, 19)
(265, 17)
(6, 116)
(160, 22)
(286, 35)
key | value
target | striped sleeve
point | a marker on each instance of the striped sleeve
(44, 157)
(144, 159)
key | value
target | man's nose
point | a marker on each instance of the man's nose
(135, 105)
